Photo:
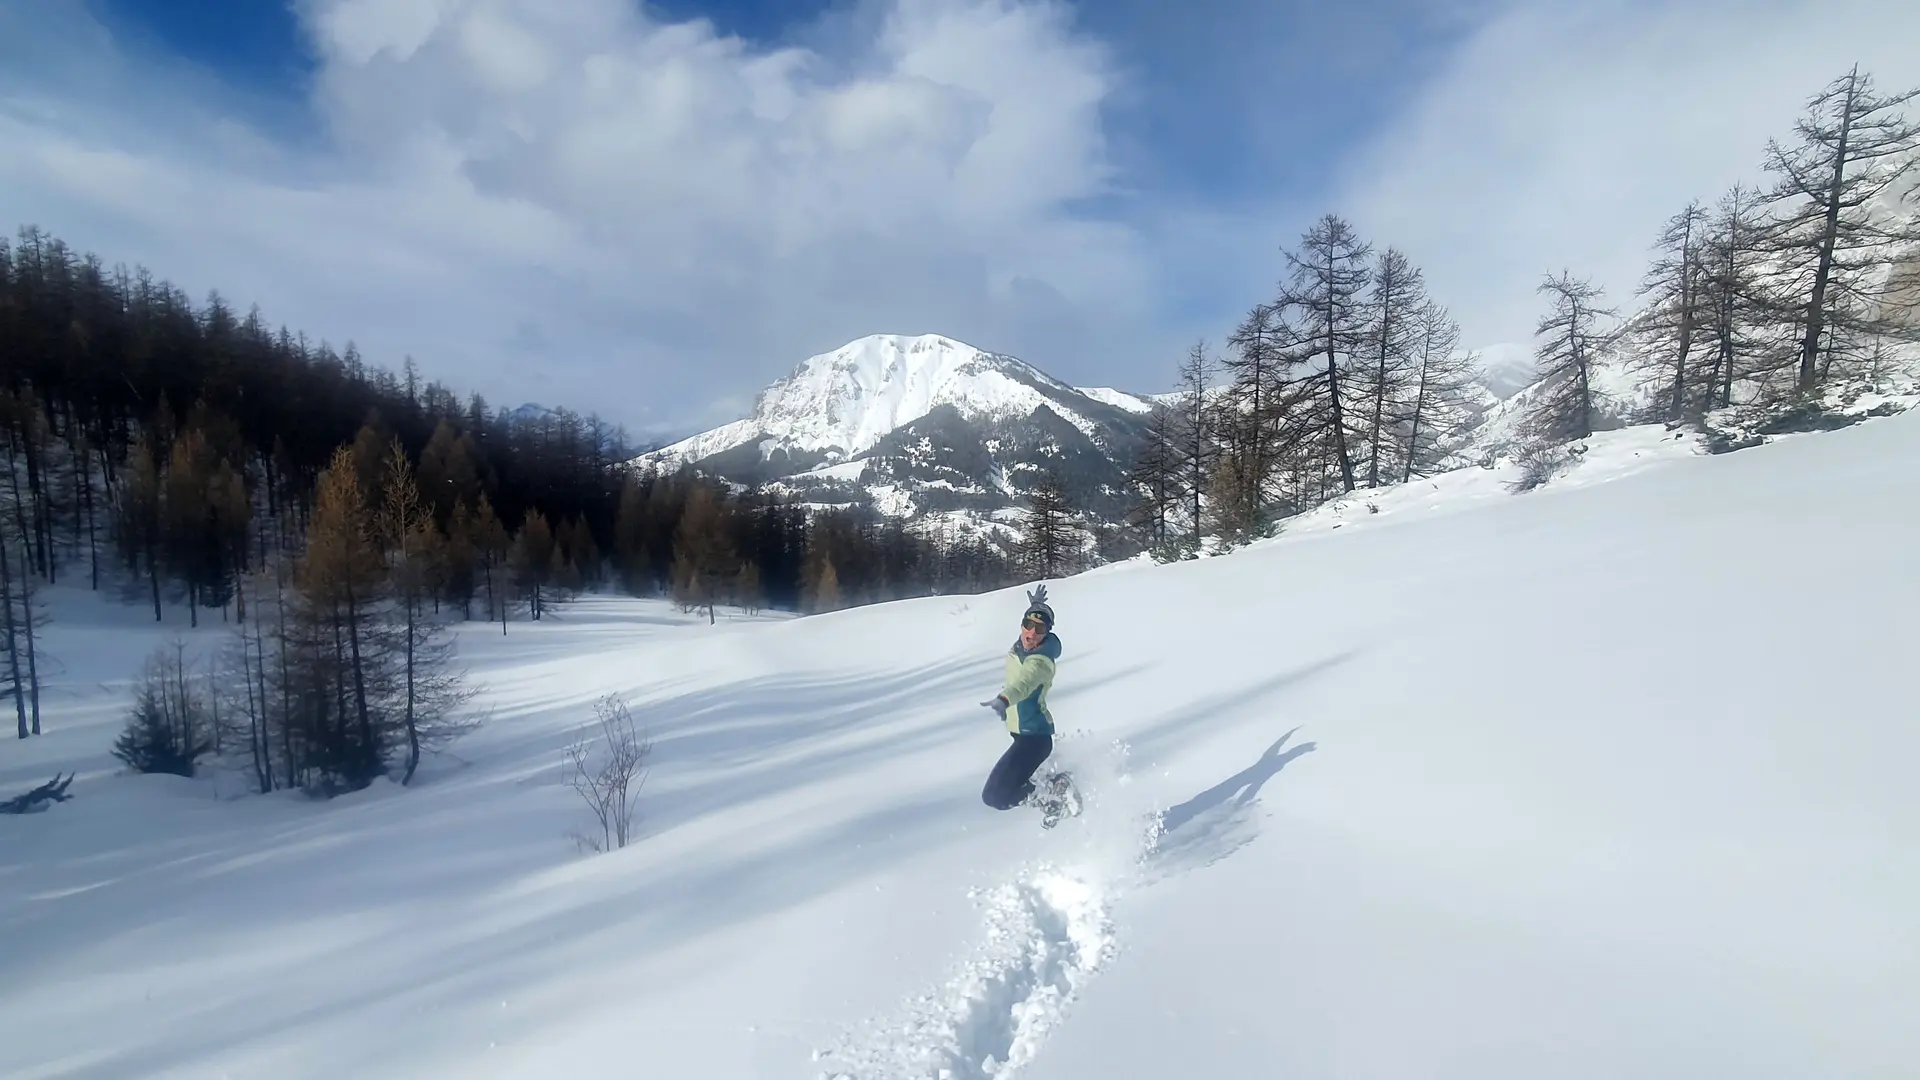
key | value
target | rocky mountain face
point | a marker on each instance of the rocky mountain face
(925, 426)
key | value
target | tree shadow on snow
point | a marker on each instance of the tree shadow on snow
(1220, 820)
(468, 968)
(435, 862)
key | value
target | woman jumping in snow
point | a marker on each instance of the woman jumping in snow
(1022, 705)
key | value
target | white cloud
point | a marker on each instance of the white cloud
(1563, 135)
(678, 216)
(570, 201)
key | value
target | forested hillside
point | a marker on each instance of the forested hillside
(199, 461)
(1767, 310)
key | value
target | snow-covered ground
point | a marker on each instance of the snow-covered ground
(1613, 778)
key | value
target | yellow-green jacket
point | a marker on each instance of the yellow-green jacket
(1029, 675)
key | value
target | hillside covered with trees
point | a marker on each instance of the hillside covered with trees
(1753, 313)
(196, 460)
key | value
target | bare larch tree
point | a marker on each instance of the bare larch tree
(1831, 234)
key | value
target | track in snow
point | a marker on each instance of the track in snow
(1046, 935)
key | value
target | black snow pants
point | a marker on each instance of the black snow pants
(1011, 780)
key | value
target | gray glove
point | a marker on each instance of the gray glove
(999, 706)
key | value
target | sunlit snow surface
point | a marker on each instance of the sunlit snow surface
(1613, 778)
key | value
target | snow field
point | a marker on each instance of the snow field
(1608, 779)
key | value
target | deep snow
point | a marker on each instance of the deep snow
(1608, 779)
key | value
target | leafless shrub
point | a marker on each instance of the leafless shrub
(1540, 462)
(608, 771)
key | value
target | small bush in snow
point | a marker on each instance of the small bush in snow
(1539, 463)
(608, 771)
(172, 724)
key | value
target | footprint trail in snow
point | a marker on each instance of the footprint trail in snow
(1046, 935)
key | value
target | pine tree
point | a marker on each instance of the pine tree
(342, 580)
(531, 562)
(1854, 145)
(21, 615)
(1677, 312)
(630, 535)
(826, 587)
(704, 557)
(1195, 437)
(490, 540)
(1392, 340)
(171, 727)
(1326, 290)
(1260, 351)
(204, 514)
(246, 672)
(139, 528)
(459, 555)
(1153, 479)
(747, 590)
(428, 690)
(1435, 408)
(1049, 540)
(1570, 342)
(1739, 342)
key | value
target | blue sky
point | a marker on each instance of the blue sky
(615, 207)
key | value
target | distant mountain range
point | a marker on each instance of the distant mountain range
(925, 425)
(930, 426)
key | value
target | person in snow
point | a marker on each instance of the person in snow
(1022, 705)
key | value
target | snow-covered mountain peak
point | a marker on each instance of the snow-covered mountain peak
(841, 403)
(847, 399)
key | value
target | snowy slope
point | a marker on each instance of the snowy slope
(1609, 779)
(840, 403)
(1507, 368)
(1121, 399)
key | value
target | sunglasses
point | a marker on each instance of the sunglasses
(1033, 623)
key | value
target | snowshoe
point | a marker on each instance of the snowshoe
(1057, 798)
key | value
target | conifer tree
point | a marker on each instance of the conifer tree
(1739, 338)
(1570, 338)
(428, 690)
(1854, 145)
(531, 562)
(1392, 340)
(1326, 290)
(1049, 541)
(140, 527)
(341, 581)
(747, 590)
(1677, 314)
(704, 557)
(459, 555)
(630, 535)
(1440, 379)
(490, 540)
(1196, 438)
(1153, 478)
(1261, 349)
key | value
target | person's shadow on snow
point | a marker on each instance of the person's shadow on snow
(1221, 810)
(1246, 783)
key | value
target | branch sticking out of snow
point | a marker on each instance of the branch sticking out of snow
(33, 802)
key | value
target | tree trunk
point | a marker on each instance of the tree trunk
(1333, 386)
(363, 714)
(12, 637)
(413, 727)
(1829, 237)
